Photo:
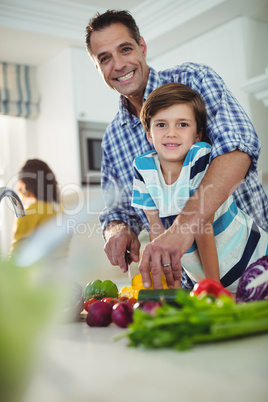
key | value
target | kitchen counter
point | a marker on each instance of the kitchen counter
(82, 364)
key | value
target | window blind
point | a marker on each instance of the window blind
(19, 95)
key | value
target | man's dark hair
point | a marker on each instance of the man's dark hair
(102, 21)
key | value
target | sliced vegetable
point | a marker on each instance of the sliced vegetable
(137, 285)
(210, 286)
(253, 283)
(99, 314)
(98, 289)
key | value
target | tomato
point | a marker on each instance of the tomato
(210, 286)
(110, 300)
(132, 300)
(88, 303)
(122, 299)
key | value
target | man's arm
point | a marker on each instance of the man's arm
(223, 176)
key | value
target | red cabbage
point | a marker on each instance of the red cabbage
(253, 284)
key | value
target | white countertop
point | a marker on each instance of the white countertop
(83, 364)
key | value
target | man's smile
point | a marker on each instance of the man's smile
(125, 77)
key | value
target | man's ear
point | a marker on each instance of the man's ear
(143, 46)
(149, 137)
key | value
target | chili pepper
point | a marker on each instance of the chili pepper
(210, 286)
(98, 289)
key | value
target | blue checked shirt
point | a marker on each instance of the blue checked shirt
(228, 127)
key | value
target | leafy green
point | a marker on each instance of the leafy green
(196, 319)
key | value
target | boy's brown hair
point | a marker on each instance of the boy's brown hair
(172, 94)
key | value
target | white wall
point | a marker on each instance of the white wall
(57, 140)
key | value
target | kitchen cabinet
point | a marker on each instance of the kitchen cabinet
(94, 101)
(71, 90)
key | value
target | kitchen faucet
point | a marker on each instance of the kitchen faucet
(14, 198)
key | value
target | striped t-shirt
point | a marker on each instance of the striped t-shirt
(239, 240)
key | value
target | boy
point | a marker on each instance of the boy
(174, 118)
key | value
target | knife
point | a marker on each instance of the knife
(128, 267)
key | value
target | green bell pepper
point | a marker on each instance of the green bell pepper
(98, 290)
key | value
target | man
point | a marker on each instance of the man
(119, 53)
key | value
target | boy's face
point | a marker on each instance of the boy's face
(120, 60)
(173, 131)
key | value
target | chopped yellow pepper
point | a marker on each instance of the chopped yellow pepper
(137, 285)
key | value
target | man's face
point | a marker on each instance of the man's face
(120, 60)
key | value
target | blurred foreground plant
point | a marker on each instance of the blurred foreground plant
(28, 307)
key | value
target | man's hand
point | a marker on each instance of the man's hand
(120, 238)
(163, 255)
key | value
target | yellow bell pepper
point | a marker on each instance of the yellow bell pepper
(137, 285)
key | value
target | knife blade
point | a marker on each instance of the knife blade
(128, 267)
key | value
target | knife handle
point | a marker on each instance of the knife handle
(127, 258)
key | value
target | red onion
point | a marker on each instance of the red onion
(99, 314)
(122, 314)
(148, 306)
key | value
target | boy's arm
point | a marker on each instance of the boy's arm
(207, 250)
(156, 225)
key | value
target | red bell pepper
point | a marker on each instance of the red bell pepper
(210, 286)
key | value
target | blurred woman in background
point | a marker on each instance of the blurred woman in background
(39, 193)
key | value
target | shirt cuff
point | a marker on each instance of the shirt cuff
(220, 149)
